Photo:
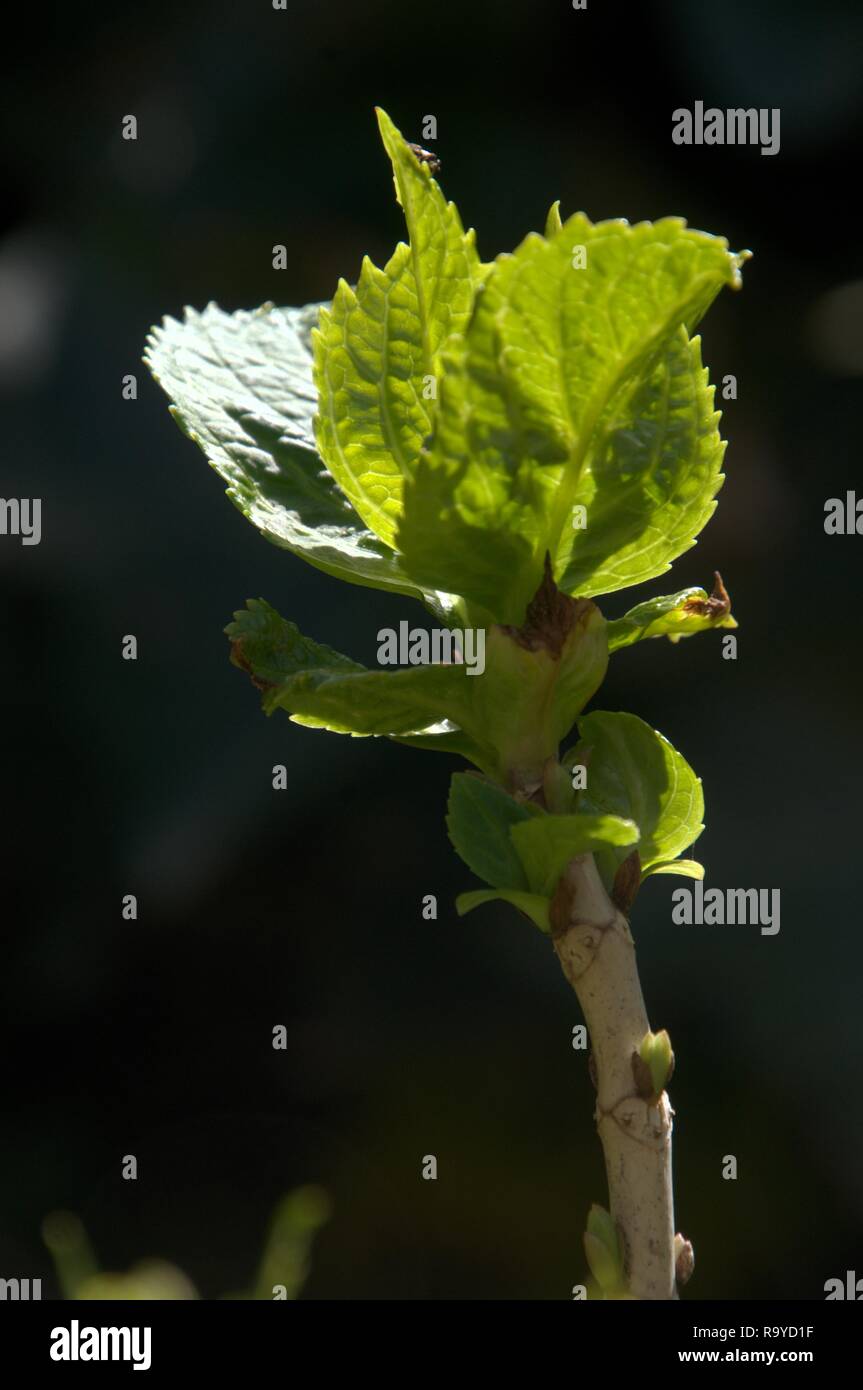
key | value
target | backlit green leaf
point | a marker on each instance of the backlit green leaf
(672, 616)
(650, 480)
(686, 868)
(604, 1255)
(531, 904)
(377, 351)
(633, 771)
(573, 387)
(553, 223)
(546, 844)
(322, 688)
(479, 818)
(241, 386)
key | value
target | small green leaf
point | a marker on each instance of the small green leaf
(602, 1248)
(687, 868)
(552, 222)
(603, 1229)
(531, 904)
(655, 1051)
(242, 389)
(673, 616)
(322, 688)
(74, 1259)
(377, 351)
(295, 1223)
(545, 844)
(634, 771)
(446, 737)
(479, 819)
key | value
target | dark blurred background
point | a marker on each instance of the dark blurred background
(303, 907)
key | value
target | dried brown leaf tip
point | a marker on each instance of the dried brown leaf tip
(425, 157)
(717, 606)
(627, 882)
(550, 617)
(239, 658)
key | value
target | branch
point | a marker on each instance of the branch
(596, 951)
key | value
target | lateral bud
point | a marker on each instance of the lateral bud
(604, 1255)
(653, 1065)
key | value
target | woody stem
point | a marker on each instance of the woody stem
(597, 954)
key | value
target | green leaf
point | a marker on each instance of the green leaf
(578, 343)
(446, 737)
(602, 1248)
(531, 904)
(649, 484)
(443, 256)
(633, 771)
(435, 706)
(322, 688)
(573, 387)
(459, 532)
(553, 223)
(377, 351)
(686, 868)
(657, 1055)
(242, 389)
(672, 616)
(293, 1227)
(546, 844)
(479, 818)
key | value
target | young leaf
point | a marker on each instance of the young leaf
(673, 616)
(619, 314)
(574, 386)
(651, 479)
(377, 351)
(446, 737)
(322, 688)
(633, 771)
(479, 818)
(531, 904)
(686, 868)
(242, 389)
(459, 530)
(545, 844)
(657, 1057)
(553, 223)
(443, 256)
(604, 1255)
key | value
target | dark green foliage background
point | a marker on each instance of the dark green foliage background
(303, 907)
